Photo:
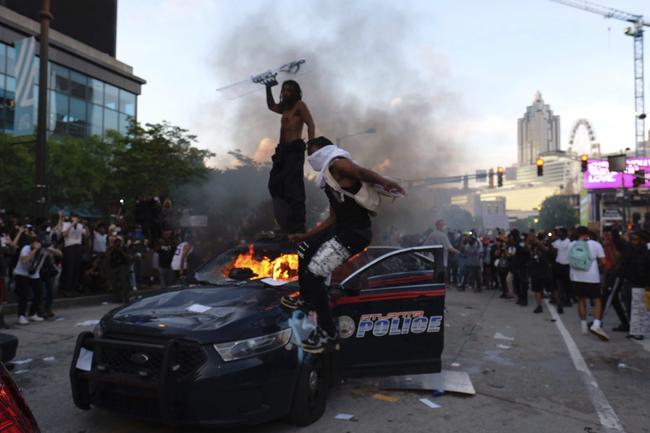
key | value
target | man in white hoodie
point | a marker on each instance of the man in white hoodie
(344, 233)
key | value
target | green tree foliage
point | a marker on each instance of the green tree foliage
(155, 159)
(557, 211)
(88, 172)
(16, 172)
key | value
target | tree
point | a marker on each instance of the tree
(156, 159)
(557, 211)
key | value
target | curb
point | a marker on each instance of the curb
(61, 303)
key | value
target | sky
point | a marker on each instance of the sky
(443, 82)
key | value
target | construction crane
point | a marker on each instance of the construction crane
(636, 31)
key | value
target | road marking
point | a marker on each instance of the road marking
(606, 414)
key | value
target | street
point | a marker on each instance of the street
(525, 378)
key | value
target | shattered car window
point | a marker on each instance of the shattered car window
(250, 262)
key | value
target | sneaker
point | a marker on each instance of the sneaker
(35, 318)
(598, 332)
(584, 328)
(22, 320)
(538, 310)
(560, 310)
(318, 341)
(293, 302)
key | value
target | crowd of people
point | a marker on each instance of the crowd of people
(569, 267)
(73, 256)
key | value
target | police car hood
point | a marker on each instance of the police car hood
(209, 314)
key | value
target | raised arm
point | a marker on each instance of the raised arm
(346, 168)
(270, 101)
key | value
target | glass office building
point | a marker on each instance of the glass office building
(89, 91)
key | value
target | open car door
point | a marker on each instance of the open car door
(391, 314)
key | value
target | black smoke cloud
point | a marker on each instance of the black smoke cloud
(360, 74)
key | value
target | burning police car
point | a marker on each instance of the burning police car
(224, 351)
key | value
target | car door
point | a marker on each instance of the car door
(391, 315)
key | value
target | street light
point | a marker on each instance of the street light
(367, 131)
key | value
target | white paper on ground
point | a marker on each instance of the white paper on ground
(20, 371)
(58, 319)
(88, 323)
(272, 282)
(49, 359)
(500, 336)
(345, 416)
(198, 308)
(85, 360)
(455, 364)
(503, 346)
(21, 361)
(429, 403)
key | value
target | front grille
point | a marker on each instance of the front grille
(120, 360)
(147, 361)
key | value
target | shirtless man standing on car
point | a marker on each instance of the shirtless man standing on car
(286, 181)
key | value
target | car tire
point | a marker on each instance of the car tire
(312, 389)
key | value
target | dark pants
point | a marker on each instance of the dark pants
(319, 257)
(613, 289)
(25, 286)
(452, 270)
(48, 295)
(472, 277)
(71, 267)
(287, 186)
(520, 281)
(561, 277)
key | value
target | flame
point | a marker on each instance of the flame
(284, 267)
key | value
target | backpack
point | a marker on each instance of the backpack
(367, 197)
(580, 256)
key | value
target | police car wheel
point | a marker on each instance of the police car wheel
(312, 388)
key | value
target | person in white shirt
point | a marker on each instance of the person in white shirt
(179, 261)
(28, 281)
(439, 237)
(586, 283)
(72, 232)
(561, 269)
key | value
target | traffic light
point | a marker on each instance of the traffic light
(584, 158)
(500, 172)
(639, 178)
(540, 167)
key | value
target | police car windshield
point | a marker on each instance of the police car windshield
(250, 262)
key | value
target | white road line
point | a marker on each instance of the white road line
(606, 414)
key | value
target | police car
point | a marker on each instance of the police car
(224, 352)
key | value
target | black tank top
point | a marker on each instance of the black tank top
(349, 215)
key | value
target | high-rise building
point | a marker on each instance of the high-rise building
(538, 132)
(89, 91)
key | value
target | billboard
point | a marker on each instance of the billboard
(25, 73)
(598, 175)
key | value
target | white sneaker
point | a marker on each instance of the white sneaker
(584, 328)
(22, 320)
(35, 318)
(598, 332)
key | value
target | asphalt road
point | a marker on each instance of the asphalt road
(526, 382)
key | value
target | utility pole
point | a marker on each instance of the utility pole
(40, 193)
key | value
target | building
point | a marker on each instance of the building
(90, 91)
(538, 132)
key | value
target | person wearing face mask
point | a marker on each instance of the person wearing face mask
(344, 233)
(439, 237)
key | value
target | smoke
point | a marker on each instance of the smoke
(361, 73)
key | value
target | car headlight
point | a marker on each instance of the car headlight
(98, 332)
(234, 350)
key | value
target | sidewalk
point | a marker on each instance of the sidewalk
(60, 302)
